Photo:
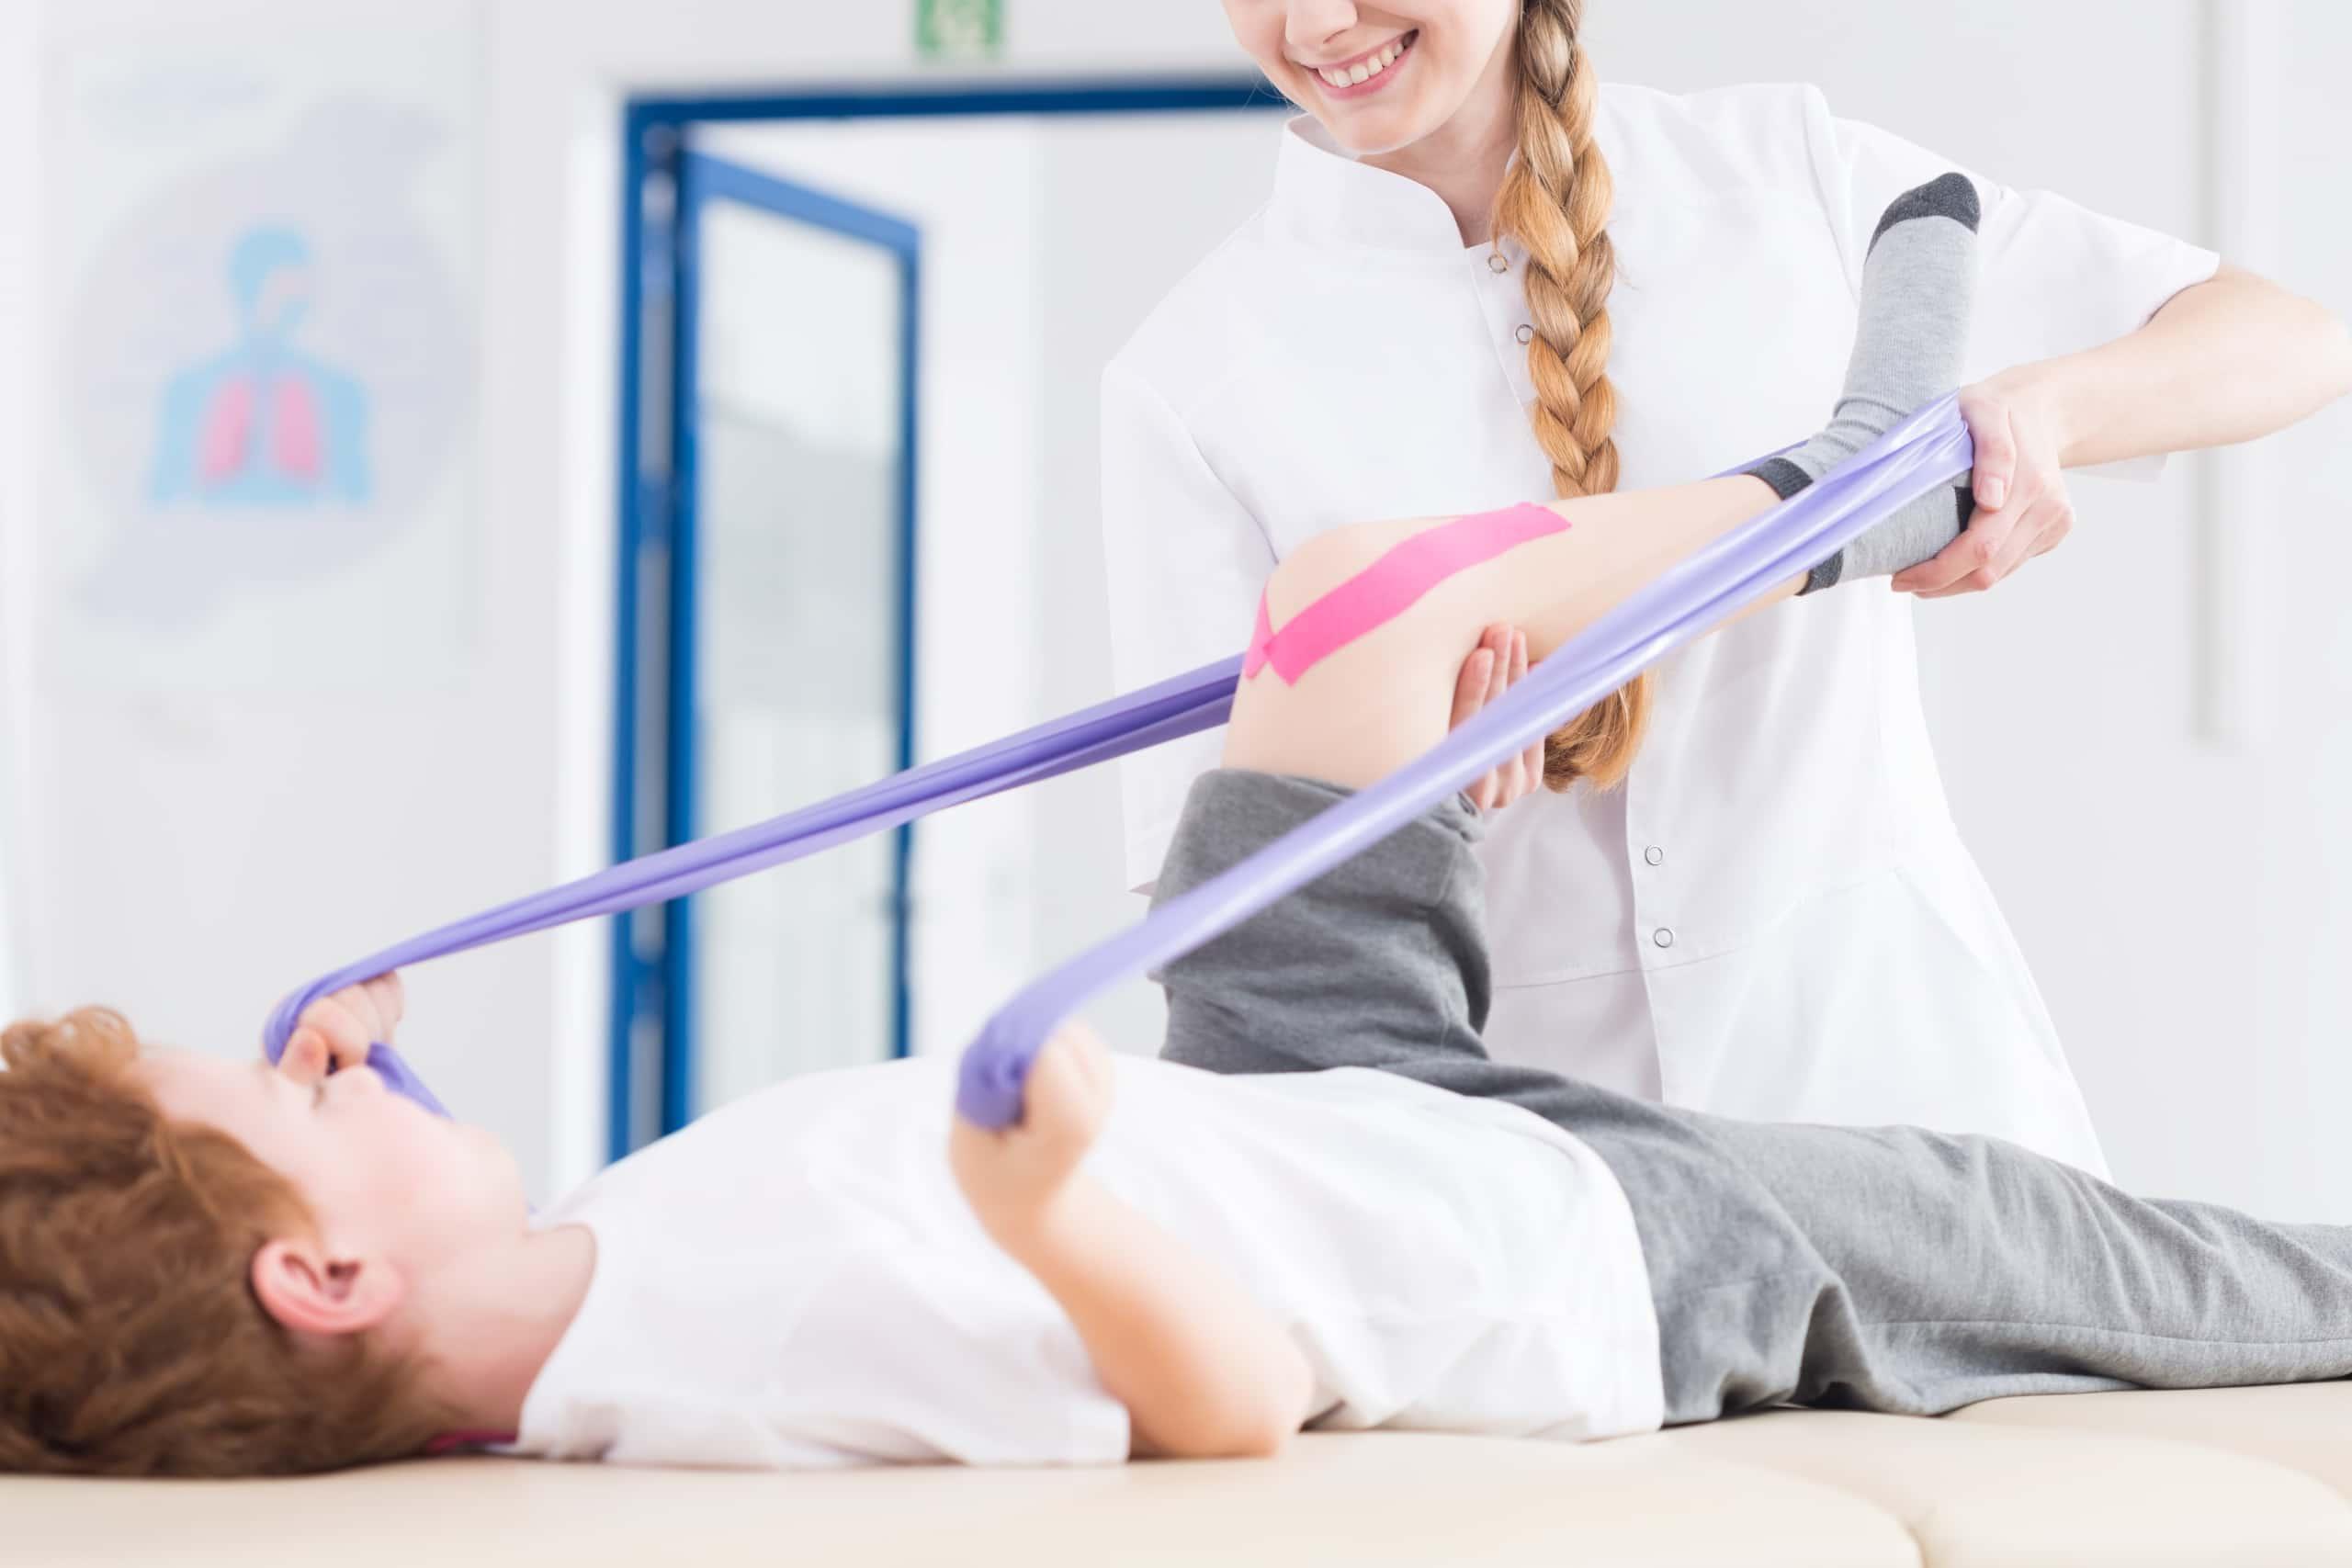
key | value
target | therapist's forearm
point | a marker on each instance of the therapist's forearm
(2224, 361)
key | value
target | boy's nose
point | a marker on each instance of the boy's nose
(358, 1081)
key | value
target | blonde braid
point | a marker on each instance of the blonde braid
(1554, 201)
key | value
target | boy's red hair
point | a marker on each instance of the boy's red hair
(131, 1339)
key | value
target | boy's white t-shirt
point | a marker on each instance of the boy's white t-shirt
(795, 1281)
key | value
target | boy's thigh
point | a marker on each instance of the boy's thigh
(1377, 963)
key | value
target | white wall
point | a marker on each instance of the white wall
(2301, 933)
(2177, 895)
(191, 858)
(19, 112)
(192, 854)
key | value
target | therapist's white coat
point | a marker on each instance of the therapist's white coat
(1775, 916)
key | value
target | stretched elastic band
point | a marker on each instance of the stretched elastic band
(1390, 586)
(1927, 449)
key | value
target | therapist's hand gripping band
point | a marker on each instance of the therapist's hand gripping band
(1929, 449)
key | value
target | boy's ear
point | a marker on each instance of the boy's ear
(311, 1292)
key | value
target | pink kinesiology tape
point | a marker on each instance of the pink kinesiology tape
(1390, 586)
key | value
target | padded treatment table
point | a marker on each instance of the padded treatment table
(2247, 1478)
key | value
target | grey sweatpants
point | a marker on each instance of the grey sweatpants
(1884, 1269)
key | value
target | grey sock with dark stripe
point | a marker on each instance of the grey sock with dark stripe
(1918, 287)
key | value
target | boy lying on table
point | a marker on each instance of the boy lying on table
(1351, 1218)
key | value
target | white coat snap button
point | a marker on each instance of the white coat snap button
(1655, 855)
(1524, 333)
(1663, 937)
(1498, 262)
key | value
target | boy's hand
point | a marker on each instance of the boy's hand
(1013, 1176)
(1204, 1369)
(336, 1030)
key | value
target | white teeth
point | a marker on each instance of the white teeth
(1363, 70)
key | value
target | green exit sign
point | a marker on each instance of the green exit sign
(959, 29)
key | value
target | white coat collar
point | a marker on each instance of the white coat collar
(1324, 196)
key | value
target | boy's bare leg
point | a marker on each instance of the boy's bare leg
(1204, 1371)
(1385, 698)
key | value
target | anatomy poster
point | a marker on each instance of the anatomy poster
(262, 258)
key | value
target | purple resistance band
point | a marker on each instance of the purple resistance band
(1929, 449)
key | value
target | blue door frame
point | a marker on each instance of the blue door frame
(664, 190)
(703, 180)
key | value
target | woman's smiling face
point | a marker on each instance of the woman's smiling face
(1379, 77)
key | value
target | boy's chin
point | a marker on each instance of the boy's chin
(502, 1167)
(491, 1180)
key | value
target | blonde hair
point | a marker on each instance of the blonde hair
(1554, 201)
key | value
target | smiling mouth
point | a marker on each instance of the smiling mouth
(1365, 69)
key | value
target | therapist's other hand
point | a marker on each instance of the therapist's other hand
(1497, 664)
(2022, 507)
(336, 1030)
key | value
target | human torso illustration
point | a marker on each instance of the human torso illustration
(263, 423)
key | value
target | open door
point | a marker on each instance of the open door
(773, 567)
